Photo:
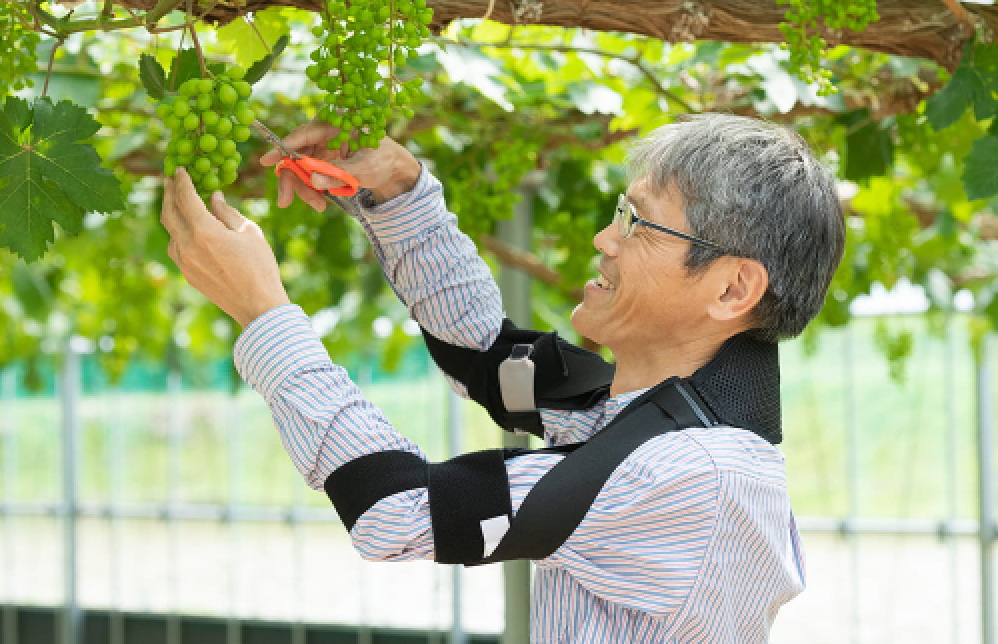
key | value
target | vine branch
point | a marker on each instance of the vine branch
(961, 14)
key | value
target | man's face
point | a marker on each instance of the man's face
(644, 299)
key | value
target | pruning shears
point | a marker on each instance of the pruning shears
(304, 166)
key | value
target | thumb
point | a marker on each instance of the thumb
(225, 213)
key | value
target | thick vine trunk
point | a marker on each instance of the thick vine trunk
(918, 28)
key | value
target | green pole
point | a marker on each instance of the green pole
(515, 287)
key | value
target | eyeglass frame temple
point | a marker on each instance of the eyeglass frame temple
(622, 199)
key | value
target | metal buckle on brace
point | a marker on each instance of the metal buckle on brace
(516, 379)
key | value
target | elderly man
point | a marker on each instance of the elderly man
(724, 243)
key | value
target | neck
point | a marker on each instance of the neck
(645, 367)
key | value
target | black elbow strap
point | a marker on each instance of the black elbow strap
(356, 486)
(469, 496)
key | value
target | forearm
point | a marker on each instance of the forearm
(433, 267)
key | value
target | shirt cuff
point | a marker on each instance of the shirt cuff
(400, 217)
(274, 346)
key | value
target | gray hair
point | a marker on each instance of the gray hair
(757, 189)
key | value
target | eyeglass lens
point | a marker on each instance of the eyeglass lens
(625, 218)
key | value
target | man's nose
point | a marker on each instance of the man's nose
(606, 241)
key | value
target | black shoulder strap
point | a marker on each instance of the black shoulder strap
(549, 515)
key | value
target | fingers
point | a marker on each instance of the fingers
(323, 182)
(288, 184)
(225, 213)
(188, 205)
(169, 216)
(305, 135)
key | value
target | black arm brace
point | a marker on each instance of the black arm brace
(567, 376)
(738, 387)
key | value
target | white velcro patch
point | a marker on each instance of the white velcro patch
(493, 530)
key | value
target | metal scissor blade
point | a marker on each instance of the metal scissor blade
(276, 140)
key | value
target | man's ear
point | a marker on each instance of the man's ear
(741, 283)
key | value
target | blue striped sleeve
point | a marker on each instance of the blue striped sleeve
(433, 267)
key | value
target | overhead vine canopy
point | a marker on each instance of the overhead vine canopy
(506, 100)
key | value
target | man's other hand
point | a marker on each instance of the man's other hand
(388, 171)
(220, 252)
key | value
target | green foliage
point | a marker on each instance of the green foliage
(17, 48)
(553, 107)
(869, 146)
(981, 174)
(47, 174)
(974, 83)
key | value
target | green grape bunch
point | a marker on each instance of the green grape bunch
(802, 31)
(207, 118)
(17, 48)
(356, 42)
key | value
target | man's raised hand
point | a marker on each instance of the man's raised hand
(387, 171)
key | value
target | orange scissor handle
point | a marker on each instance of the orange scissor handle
(305, 166)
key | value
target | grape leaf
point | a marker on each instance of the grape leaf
(262, 66)
(947, 106)
(980, 175)
(47, 174)
(248, 44)
(869, 148)
(153, 77)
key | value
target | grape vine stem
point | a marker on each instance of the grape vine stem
(194, 36)
(48, 70)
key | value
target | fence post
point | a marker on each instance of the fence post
(985, 472)
(457, 634)
(8, 426)
(69, 390)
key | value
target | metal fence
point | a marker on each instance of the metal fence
(231, 532)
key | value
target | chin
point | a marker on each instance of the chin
(584, 325)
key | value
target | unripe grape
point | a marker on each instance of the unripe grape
(223, 127)
(242, 88)
(211, 183)
(204, 102)
(240, 133)
(202, 165)
(208, 142)
(245, 116)
(191, 122)
(227, 95)
(205, 86)
(210, 119)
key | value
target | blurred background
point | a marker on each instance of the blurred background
(144, 492)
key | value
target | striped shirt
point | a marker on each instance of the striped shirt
(690, 540)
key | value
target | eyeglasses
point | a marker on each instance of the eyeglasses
(627, 220)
